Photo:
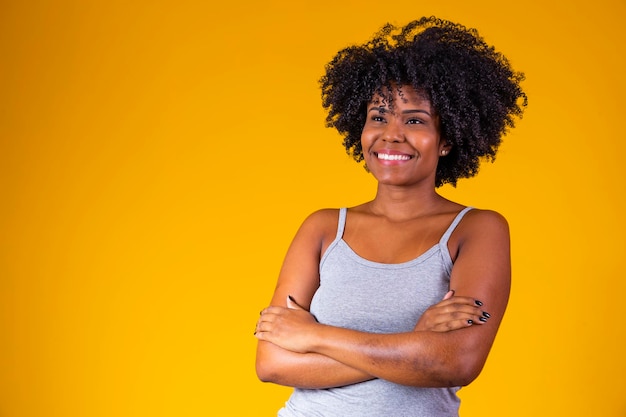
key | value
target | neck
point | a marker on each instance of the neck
(400, 203)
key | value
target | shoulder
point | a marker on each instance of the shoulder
(321, 225)
(479, 224)
(479, 217)
(322, 218)
(479, 233)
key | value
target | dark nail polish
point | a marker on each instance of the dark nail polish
(483, 319)
(478, 303)
(470, 321)
(485, 314)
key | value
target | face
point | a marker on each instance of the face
(401, 144)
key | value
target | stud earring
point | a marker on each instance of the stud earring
(444, 152)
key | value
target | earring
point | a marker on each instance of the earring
(444, 152)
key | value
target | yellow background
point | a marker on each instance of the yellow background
(156, 158)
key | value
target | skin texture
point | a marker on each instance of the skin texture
(451, 341)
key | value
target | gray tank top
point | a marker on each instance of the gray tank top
(360, 294)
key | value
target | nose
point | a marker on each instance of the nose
(393, 133)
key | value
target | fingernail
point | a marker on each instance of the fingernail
(470, 321)
(485, 314)
(483, 319)
(452, 291)
(478, 303)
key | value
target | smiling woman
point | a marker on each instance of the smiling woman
(389, 307)
(402, 144)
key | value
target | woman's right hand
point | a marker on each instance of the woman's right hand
(452, 313)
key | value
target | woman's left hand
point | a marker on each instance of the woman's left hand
(452, 313)
(288, 327)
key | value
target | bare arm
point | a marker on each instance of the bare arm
(419, 358)
(299, 277)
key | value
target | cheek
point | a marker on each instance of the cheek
(367, 138)
(364, 144)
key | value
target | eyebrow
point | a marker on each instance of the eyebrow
(409, 111)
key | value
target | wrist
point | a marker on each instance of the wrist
(318, 335)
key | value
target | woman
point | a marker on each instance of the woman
(387, 308)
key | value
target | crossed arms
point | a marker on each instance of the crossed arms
(448, 346)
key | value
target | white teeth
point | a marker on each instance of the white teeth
(387, 157)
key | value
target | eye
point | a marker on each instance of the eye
(377, 118)
(414, 122)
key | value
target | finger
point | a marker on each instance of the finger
(460, 300)
(449, 326)
(442, 316)
(470, 300)
(459, 312)
(450, 307)
(458, 320)
(466, 305)
(264, 317)
(265, 327)
(292, 304)
(271, 310)
(463, 308)
(457, 324)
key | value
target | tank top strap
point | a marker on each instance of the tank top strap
(453, 225)
(341, 223)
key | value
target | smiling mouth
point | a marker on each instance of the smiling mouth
(388, 157)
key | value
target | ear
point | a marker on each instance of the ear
(444, 148)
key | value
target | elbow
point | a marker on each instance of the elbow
(457, 371)
(270, 366)
(462, 364)
(263, 377)
(465, 377)
(464, 371)
(265, 372)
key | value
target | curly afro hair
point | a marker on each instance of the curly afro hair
(471, 87)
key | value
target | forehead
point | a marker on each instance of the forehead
(399, 96)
